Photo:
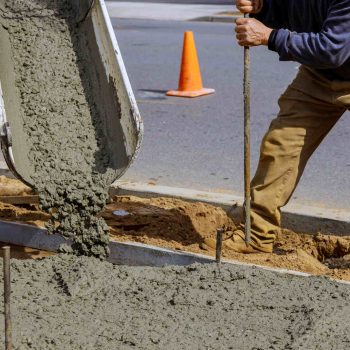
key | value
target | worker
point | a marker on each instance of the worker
(315, 33)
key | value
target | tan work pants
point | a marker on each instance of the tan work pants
(309, 109)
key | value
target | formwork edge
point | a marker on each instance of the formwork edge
(123, 253)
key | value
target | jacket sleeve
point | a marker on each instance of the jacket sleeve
(272, 14)
(329, 48)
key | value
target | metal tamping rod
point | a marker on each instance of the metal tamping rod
(246, 94)
(219, 233)
(7, 296)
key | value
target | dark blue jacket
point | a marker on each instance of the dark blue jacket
(315, 33)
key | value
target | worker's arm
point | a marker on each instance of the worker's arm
(329, 48)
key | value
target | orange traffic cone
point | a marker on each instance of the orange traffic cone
(190, 83)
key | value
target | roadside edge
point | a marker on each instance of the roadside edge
(299, 218)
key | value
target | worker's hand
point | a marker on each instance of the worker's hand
(249, 6)
(251, 32)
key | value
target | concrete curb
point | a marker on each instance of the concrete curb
(299, 218)
(171, 11)
(218, 18)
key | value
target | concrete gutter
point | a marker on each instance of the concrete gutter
(296, 217)
(171, 12)
(222, 17)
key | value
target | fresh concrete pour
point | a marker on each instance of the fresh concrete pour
(68, 302)
(62, 109)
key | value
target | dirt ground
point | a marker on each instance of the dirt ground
(12, 190)
(177, 224)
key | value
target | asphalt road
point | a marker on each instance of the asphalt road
(198, 143)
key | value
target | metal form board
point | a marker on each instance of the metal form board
(134, 254)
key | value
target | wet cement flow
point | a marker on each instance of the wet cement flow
(60, 118)
(68, 302)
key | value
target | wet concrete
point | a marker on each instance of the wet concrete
(65, 116)
(68, 302)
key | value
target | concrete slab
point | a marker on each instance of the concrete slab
(161, 11)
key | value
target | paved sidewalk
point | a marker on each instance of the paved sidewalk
(171, 12)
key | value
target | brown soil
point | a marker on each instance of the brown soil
(12, 187)
(22, 253)
(177, 224)
(28, 213)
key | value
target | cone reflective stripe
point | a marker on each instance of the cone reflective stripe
(190, 82)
